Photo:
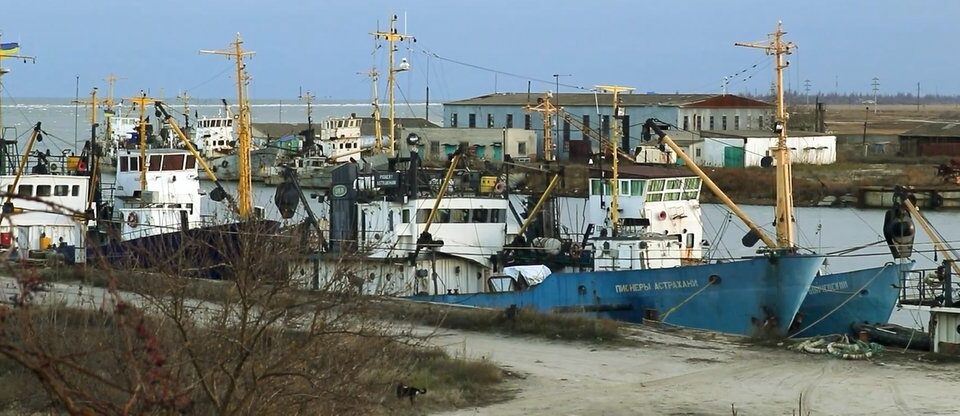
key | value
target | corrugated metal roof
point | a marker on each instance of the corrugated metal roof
(950, 129)
(586, 99)
(743, 134)
(631, 171)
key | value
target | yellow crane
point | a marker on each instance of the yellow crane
(245, 179)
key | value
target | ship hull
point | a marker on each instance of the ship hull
(756, 296)
(203, 251)
(837, 301)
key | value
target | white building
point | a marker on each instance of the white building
(747, 148)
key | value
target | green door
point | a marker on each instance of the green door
(733, 157)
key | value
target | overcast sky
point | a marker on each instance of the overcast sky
(321, 46)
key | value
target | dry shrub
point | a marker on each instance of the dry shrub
(510, 321)
(252, 343)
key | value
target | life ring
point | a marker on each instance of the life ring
(81, 166)
(576, 251)
(501, 186)
(133, 220)
(663, 215)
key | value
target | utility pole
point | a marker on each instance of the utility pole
(866, 114)
(392, 37)
(806, 90)
(244, 182)
(876, 87)
(556, 78)
(918, 97)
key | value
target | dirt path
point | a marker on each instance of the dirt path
(678, 373)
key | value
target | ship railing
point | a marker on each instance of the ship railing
(928, 287)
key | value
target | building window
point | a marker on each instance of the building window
(453, 120)
(522, 148)
(736, 122)
(723, 123)
(489, 121)
(686, 122)
(473, 121)
(712, 125)
(566, 130)
(434, 147)
(586, 125)
(509, 121)
(606, 126)
(526, 122)
(697, 152)
(699, 122)
(760, 122)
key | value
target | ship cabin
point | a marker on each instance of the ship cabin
(659, 218)
(49, 207)
(169, 202)
(377, 219)
(215, 136)
(342, 139)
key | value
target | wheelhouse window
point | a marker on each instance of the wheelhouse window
(75, 191)
(124, 164)
(173, 162)
(61, 190)
(155, 163)
(25, 190)
(44, 190)
(191, 162)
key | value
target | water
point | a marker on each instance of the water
(68, 125)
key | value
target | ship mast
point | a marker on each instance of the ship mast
(392, 37)
(108, 102)
(785, 221)
(244, 183)
(141, 101)
(546, 109)
(14, 52)
(614, 147)
(377, 128)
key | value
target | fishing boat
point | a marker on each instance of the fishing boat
(754, 296)
(157, 202)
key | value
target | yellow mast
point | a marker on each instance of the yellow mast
(546, 110)
(614, 146)
(244, 183)
(786, 232)
(108, 102)
(141, 101)
(392, 37)
(92, 102)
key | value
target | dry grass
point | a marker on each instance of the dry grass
(516, 322)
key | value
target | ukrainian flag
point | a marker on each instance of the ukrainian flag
(9, 49)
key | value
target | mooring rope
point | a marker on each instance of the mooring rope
(847, 300)
(710, 282)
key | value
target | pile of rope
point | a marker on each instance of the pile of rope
(839, 347)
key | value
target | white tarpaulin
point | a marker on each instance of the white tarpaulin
(532, 274)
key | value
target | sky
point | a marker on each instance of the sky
(470, 48)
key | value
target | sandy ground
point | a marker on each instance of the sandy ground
(692, 373)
